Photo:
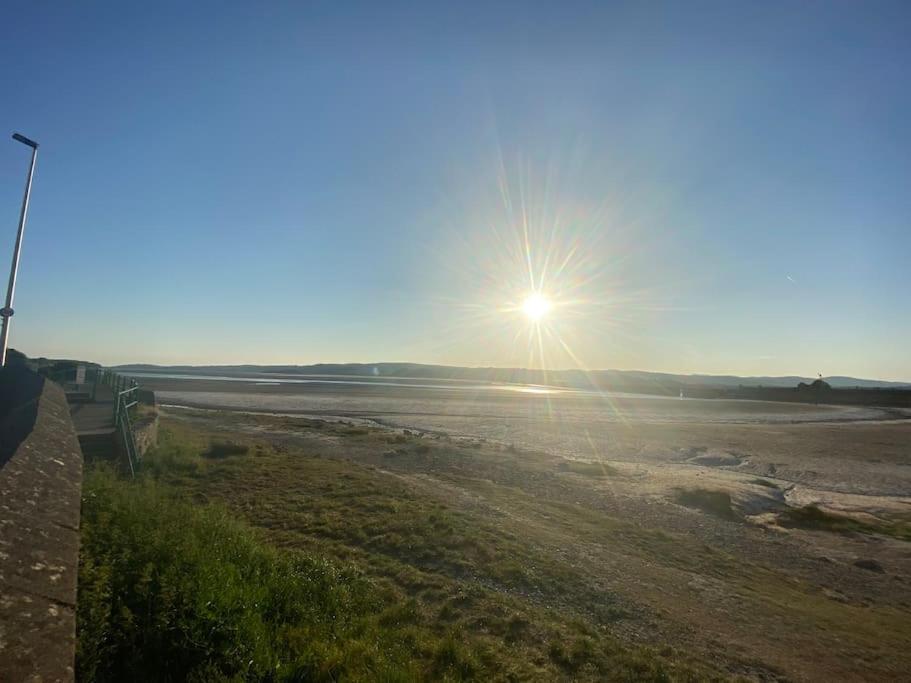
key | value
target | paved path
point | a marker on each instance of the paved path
(96, 417)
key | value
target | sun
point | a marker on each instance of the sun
(536, 306)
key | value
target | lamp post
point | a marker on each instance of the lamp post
(7, 311)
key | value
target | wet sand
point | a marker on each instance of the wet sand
(840, 449)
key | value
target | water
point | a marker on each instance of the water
(441, 384)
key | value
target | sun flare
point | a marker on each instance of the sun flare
(536, 306)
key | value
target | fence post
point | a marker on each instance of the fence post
(115, 390)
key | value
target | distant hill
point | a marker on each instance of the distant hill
(617, 380)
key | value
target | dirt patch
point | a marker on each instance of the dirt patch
(715, 459)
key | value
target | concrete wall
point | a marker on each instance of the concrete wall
(40, 489)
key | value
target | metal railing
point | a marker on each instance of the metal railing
(125, 391)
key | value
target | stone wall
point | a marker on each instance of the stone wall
(40, 489)
(145, 434)
(145, 396)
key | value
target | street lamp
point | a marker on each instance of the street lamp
(7, 311)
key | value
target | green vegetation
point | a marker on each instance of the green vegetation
(716, 503)
(170, 591)
(813, 518)
(282, 565)
(441, 559)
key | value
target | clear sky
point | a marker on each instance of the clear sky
(697, 187)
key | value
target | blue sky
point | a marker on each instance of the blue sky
(726, 184)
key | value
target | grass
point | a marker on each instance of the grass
(356, 513)
(284, 565)
(465, 563)
(172, 591)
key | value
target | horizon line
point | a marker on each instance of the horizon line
(508, 368)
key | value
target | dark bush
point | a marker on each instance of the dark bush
(225, 449)
(716, 503)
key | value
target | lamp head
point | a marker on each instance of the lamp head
(25, 141)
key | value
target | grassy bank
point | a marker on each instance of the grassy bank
(169, 591)
(249, 561)
(430, 557)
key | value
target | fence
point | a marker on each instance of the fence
(124, 392)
